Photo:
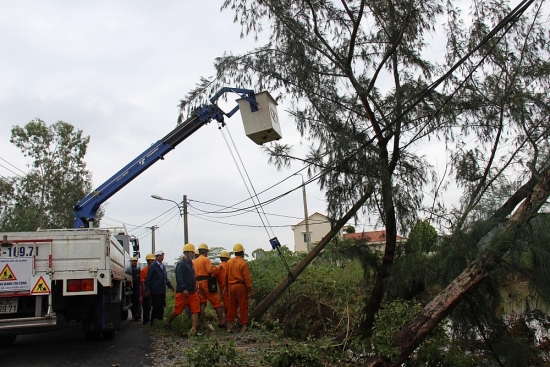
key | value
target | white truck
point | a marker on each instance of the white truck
(50, 277)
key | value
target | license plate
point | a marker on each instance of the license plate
(8, 305)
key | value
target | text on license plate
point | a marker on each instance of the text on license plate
(19, 251)
(8, 305)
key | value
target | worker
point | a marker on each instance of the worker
(240, 288)
(146, 300)
(136, 287)
(186, 289)
(155, 285)
(224, 256)
(203, 271)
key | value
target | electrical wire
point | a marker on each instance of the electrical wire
(253, 198)
(15, 173)
(243, 211)
(17, 168)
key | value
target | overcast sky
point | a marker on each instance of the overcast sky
(117, 70)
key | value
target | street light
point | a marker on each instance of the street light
(183, 213)
(308, 239)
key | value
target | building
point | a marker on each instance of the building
(376, 239)
(319, 225)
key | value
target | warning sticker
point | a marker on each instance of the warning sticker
(16, 274)
(41, 287)
(7, 274)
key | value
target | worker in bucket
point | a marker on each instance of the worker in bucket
(186, 289)
(136, 287)
(239, 285)
(155, 285)
(208, 285)
(146, 300)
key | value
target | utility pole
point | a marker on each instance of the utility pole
(153, 228)
(306, 216)
(185, 232)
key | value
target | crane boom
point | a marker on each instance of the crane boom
(85, 210)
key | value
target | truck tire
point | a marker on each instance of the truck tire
(109, 334)
(7, 340)
(92, 335)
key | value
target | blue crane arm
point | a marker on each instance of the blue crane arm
(85, 210)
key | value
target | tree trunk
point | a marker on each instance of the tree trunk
(375, 299)
(412, 334)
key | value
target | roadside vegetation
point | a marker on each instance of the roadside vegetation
(316, 322)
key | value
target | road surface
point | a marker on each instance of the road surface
(68, 347)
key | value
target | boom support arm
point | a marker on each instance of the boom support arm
(85, 210)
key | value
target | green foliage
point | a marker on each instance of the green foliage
(210, 352)
(350, 229)
(295, 354)
(324, 299)
(422, 238)
(440, 351)
(56, 181)
(388, 322)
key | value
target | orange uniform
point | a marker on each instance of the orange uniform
(145, 301)
(221, 283)
(143, 274)
(203, 269)
(240, 286)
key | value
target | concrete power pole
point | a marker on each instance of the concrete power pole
(153, 228)
(185, 231)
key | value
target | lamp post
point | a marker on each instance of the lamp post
(183, 213)
(306, 216)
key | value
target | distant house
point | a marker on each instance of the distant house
(319, 225)
(372, 238)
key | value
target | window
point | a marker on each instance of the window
(305, 236)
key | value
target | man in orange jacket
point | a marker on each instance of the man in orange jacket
(203, 271)
(239, 285)
(224, 256)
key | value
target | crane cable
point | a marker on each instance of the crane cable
(255, 199)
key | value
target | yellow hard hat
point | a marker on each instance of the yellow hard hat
(203, 246)
(196, 252)
(189, 247)
(150, 257)
(225, 254)
(238, 248)
(134, 258)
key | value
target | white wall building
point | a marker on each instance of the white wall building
(319, 226)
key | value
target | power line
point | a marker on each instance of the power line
(17, 174)
(17, 168)
(243, 211)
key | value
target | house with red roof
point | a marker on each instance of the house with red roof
(371, 238)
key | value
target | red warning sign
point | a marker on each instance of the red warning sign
(7, 274)
(41, 287)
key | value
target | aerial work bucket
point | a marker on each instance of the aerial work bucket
(263, 125)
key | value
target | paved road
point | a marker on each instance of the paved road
(68, 347)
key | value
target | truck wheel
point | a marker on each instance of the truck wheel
(109, 334)
(124, 315)
(91, 334)
(7, 340)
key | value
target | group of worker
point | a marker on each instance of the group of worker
(197, 283)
